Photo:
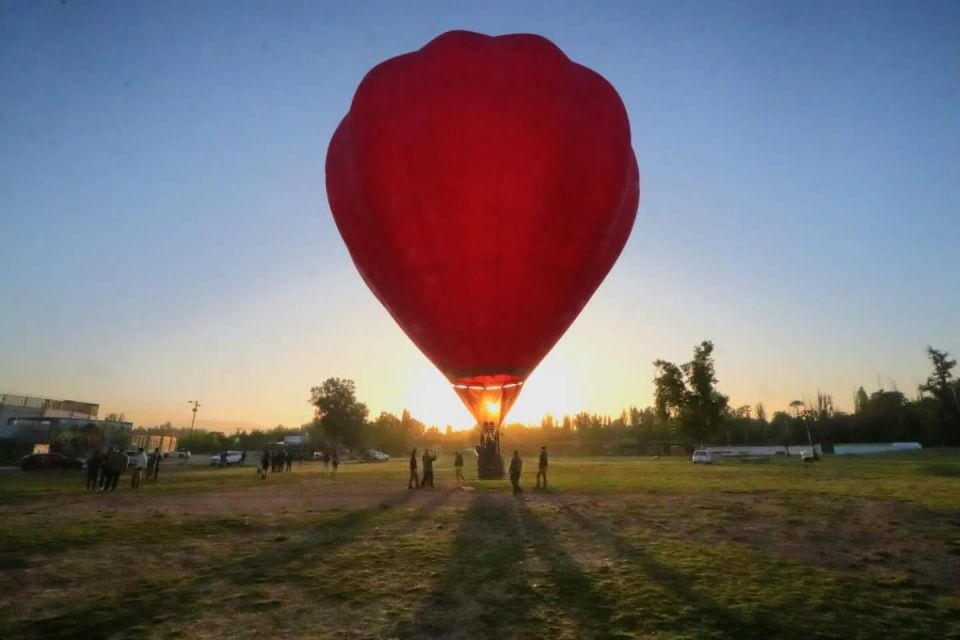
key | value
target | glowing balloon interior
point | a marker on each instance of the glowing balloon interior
(484, 187)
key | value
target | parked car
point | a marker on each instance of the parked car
(232, 457)
(182, 454)
(702, 457)
(372, 455)
(35, 461)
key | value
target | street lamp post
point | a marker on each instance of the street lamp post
(196, 405)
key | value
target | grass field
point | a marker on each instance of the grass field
(617, 548)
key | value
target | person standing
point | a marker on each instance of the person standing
(428, 458)
(94, 463)
(458, 465)
(542, 468)
(114, 465)
(264, 464)
(139, 463)
(153, 465)
(289, 460)
(414, 481)
(335, 461)
(516, 467)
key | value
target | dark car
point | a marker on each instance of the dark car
(49, 461)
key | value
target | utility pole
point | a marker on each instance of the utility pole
(196, 405)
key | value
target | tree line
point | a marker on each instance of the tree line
(688, 410)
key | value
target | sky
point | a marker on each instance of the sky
(166, 235)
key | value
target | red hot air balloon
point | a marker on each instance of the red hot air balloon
(484, 187)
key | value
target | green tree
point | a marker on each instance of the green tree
(688, 395)
(942, 386)
(706, 406)
(669, 390)
(762, 420)
(860, 401)
(339, 414)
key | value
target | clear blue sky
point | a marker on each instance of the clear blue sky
(166, 234)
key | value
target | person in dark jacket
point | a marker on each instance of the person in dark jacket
(427, 459)
(414, 481)
(115, 464)
(516, 467)
(264, 464)
(335, 461)
(94, 464)
(153, 465)
(542, 468)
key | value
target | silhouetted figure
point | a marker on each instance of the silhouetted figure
(114, 465)
(516, 467)
(276, 461)
(542, 468)
(223, 459)
(458, 465)
(325, 459)
(94, 463)
(139, 464)
(414, 481)
(428, 458)
(289, 461)
(153, 465)
(243, 457)
(264, 464)
(335, 461)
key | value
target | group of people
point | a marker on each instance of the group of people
(418, 482)
(105, 468)
(516, 468)
(330, 458)
(275, 461)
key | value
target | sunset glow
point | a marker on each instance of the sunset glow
(231, 284)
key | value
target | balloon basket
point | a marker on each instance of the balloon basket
(489, 465)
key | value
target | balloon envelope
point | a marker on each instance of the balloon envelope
(484, 187)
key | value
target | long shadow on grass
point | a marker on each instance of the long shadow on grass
(481, 593)
(573, 590)
(487, 592)
(680, 587)
(154, 601)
